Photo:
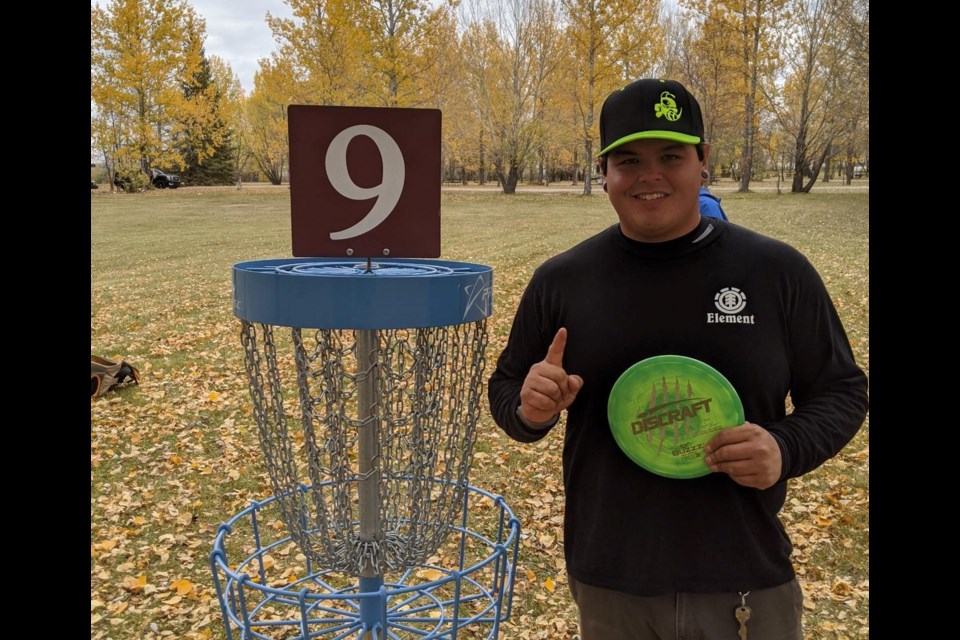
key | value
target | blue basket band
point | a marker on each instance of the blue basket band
(332, 293)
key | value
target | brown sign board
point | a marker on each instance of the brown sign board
(364, 181)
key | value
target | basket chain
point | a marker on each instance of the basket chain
(426, 390)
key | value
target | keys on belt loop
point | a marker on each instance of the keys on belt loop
(743, 614)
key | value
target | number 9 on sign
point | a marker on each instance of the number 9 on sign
(339, 203)
(387, 193)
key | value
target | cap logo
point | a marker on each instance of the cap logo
(667, 107)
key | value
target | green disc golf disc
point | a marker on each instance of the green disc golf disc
(663, 410)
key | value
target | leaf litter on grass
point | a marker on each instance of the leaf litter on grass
(178, 455)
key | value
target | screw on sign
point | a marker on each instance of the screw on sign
(364, 181)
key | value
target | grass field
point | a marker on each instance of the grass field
(175, 457)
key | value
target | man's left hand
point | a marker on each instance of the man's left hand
(748, 454)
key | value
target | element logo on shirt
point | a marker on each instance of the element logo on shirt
(731, 301)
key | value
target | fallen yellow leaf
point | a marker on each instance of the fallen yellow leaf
(549, 585)
(107, 545)
(841, 588)
(119, 608)
(135, 584)
(182, 587)
(430, 574)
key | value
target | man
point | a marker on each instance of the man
(648, 556)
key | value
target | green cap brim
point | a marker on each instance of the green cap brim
(654, 135)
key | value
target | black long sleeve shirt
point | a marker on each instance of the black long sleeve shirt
(623, 301)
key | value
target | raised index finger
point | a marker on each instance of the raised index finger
(555, 352)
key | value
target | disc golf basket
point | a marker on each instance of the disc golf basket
(373, 530)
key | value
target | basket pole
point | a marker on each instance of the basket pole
(372, 611)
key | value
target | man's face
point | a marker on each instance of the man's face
(654, 186)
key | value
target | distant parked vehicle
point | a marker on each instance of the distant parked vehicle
(93, 184)
(126, 181)
(859, 170)
(162, 180)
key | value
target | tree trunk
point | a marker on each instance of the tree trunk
(800, 158)
(827, 165)
(544, 177)
(508, 180)
(848, 175)
(750, 100)
(588, 141)
(815, 169)
(483, 162)
(109, 167)
(799, 161)
(746, 157)
(588, 173)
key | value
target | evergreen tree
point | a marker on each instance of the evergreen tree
(209, 157)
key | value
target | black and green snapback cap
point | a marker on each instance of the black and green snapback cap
(650, 108)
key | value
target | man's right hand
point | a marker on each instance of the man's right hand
(547, 390)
